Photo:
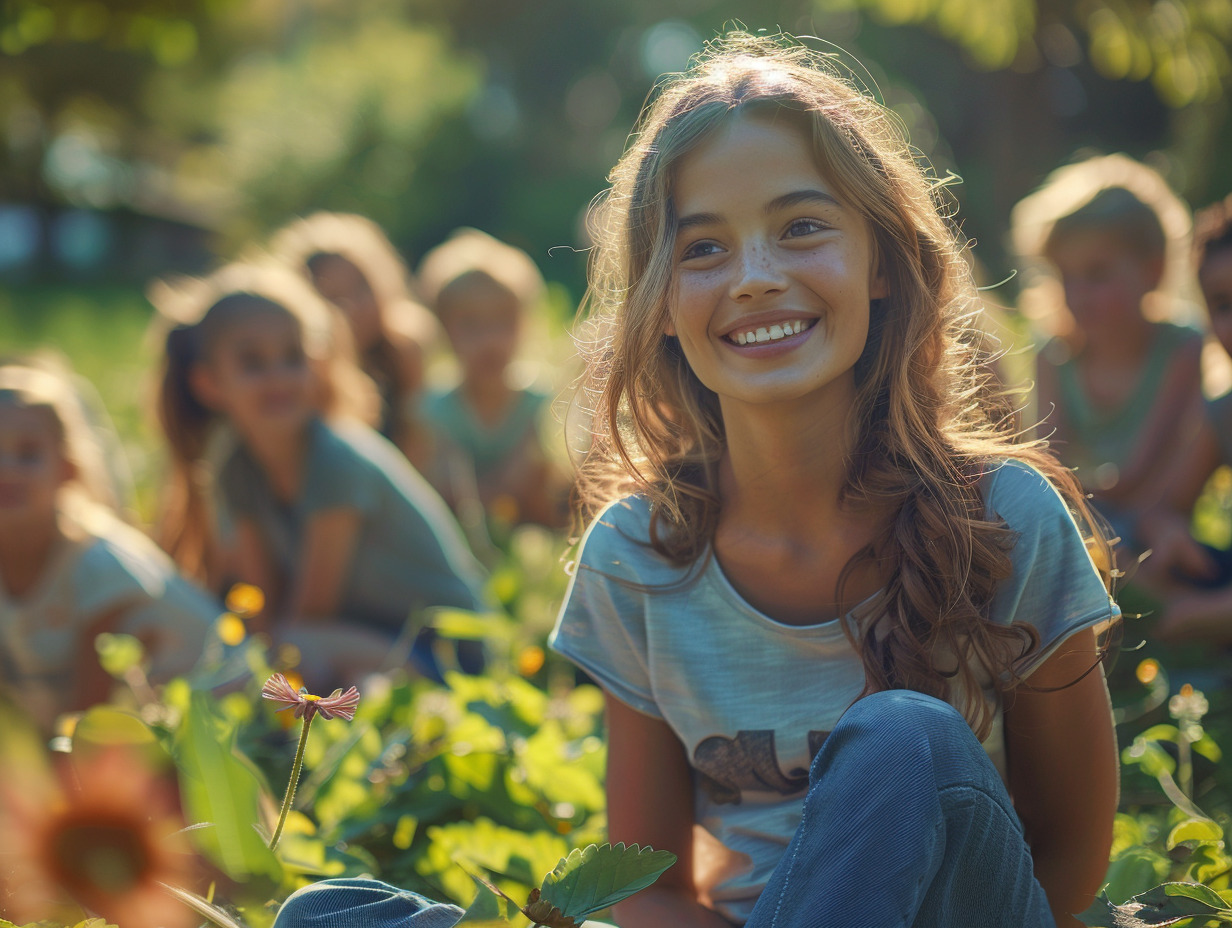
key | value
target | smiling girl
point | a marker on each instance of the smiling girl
(819, 573)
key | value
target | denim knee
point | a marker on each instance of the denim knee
(362, 903)
(894, 728)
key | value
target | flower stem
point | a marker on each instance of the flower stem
(295, 770)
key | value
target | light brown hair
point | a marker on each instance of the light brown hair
(926, 423)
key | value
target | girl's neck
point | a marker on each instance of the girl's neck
(282, 458)
(784, 466)
(1126, 345)
(26, 554)
(489, 397)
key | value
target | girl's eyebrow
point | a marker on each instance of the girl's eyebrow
(787, 200)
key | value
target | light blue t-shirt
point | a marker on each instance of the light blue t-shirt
(752, 699)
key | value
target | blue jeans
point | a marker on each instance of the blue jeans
(906, 823)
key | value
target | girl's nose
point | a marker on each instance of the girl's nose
(757, 273)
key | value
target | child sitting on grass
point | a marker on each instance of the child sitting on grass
(348, 542)
(70, 568)
(1119, 385)
(489, 458)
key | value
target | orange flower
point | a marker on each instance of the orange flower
(102, 835)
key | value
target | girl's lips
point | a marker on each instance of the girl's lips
(770, 333)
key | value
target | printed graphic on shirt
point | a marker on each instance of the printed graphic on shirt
(729, 767)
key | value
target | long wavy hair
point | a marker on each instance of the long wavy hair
(192, 315)
(926, 421)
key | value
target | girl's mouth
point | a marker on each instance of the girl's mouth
(770, 333)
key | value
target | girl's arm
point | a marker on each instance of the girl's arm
(1064, 773)
(92, 683)
(330, 539)
(650, 802)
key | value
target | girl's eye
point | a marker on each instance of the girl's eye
(801, 227)
(702, 249)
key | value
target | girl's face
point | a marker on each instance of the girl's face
(774, 271)
(32, 466)
(1215, 278)
(344, 285)
(258, 375)
(1104, 280)
(483, 322)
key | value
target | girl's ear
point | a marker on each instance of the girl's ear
(204, 387)
(878, 289)
(1153, 272)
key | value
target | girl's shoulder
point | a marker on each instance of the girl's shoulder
(617, 544)
(120, 563)
(1019, 493)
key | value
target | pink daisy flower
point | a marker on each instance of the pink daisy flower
(336, 705)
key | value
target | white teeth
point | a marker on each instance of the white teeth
(771, 334)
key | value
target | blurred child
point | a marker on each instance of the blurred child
(352, 264)
(1195, 580)
(343, 535)
(70, 569)
(488, 452)
(1119, 387)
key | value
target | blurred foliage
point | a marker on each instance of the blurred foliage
(429, 114)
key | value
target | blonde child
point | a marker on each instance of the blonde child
(1119, 387)
(343, 535)
(70, 569)
(817, 571)
(486, 428)
(353, 265)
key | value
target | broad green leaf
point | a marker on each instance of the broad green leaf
(489, 909)
(1135, 871)
(598, 876)
(1194, 829)
(218, 787)
(1203, 895)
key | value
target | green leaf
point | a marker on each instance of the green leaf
(489, 908)
(219, 788)
(599, 876)
(1168, 904)
(1203, 895)
(1194, 829)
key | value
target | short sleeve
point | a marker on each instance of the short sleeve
(1054, 586)
(602, 624)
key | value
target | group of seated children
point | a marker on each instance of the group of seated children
(293, 402)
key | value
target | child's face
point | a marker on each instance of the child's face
(1215, 278)
(258, 375)
(1104, 280)
(767, 248)
(344, 285)
(32, 465)
(483, 322)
